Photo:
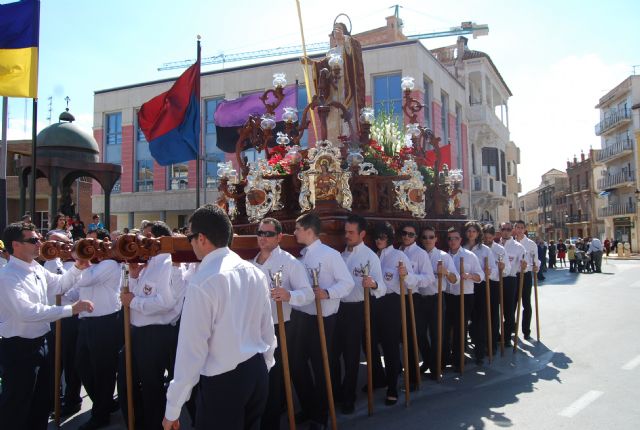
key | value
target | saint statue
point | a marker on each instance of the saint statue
(326, 184)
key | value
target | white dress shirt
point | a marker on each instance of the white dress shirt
(153, 302)
(531, 254)
(226, 321)
(57, 266)
(389, 259)
(180, 276)
(422, 268)
(515, 253)
(333, 277)
(483, 252)
(25, 288)
(595, 245)
(499, 253)
(101, 283)
(436, 255)
(294, 279)
(471, 265)
(356, 259)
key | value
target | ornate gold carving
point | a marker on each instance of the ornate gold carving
(262, 195)
(410, 192)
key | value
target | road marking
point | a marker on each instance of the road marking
(632, 364)
(584, 401)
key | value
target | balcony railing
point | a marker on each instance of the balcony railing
(619, 147)
(612, 119)
(578, 218)
(617, 209)
(611, 181)
(488, 184)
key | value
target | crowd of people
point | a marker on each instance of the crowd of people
(583, 255)
(204, 335)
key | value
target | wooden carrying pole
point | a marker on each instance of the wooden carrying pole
(367, 341)
(487, 296)
(463, 322)
(285, 366)
(439, 325)
(325, 355)
(520, 287)
(127, 350)
(535, 294)
(405, 341)
(414, 337)
(501, 287)
(57, 367)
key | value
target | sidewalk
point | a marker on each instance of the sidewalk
(634, 256)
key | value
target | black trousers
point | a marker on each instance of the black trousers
(233, 400)
(510, 296)
(347, 339)
(310, 381)
(385, 331)
(479, 320)
(426, 311)
(452, 325)
(25, 369)
(276, 400)
(526, 304)
(495, 315)
(150, 352)
(99, 341)
(69, 346)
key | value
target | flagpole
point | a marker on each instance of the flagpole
(3, 163)
(34, 135)
(199, 128)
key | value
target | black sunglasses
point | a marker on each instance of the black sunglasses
(192, 236)
(408, 233)
(263, 233)
(428, 237)
(32, 240)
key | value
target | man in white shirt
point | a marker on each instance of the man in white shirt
(472, 274)
(449, 273)
(25, 288)
(153, 306)
(334, 283)
(595, 250)
(516, 259)
(226, 340)
(364, 266)
(422, 302)
(531, 257)
(100, 335)
(294, 289)
(502, 263)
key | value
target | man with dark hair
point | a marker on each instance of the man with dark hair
(334, 283)
(294, 289)
(502, 263)
(429, 238)
(154, 312)
(423, 271)
(516, 257)
(26, 289)
(100, 335)
(364, 266)
(226, 334)
(531, 257)
(156, 229)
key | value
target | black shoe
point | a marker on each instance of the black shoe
(391, 400)
(94, 424)
(68, 410)
(527, 337)
(348, 408)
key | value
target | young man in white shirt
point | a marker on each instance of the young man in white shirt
(334, 283)
(531, 257)
(502, 263)
(226, 340)
(517, 261)
(364, 266)
(25, 288)
(429, 239)
(472, 274)
(294, 289)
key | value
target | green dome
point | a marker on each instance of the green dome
(67, 140)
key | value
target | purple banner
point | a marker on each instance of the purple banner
(234, 113)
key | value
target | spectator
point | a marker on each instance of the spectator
(542, 255)
(572, 258)
(607, 246)
(26, 218)
(60, 226)
(96, 224)
(552, 254)
(562, 252)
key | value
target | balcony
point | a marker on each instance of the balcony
(612, 120)
(488, 185)
(617, 180)
(575, 219)
(618, 149)
(618, 209)
(480, 115)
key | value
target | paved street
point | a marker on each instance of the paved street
(584, 373)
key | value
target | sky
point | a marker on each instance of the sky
(557, 57)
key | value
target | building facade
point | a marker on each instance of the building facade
(618, 156)
(552, 205)
(582, 218)
(528, 211)
(150, 191)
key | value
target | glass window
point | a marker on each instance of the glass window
(490, 161)
(428, 94)
(444, 117)
(387, 95)
(144, 175)
(178, 176)
(113, 140)
(213, 154)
